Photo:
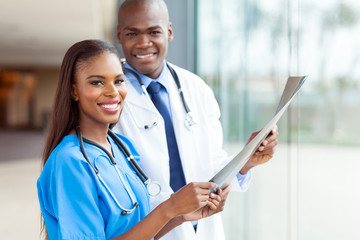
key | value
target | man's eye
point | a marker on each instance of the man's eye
(154, 32)
(131, 34)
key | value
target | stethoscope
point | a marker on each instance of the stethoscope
(152, 187)
(189, 117)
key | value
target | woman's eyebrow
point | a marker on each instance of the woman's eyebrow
(120, 75)
(102, 77)
(95, 76)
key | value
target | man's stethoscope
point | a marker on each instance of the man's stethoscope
(189, 118)
(152, 187)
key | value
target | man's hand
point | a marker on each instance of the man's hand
(223, 194)
(264, 152)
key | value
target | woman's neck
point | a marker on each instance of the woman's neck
(96, 134)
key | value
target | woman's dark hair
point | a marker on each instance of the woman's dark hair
(65, 115)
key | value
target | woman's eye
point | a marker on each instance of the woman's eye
(96, 83)
(119, 81)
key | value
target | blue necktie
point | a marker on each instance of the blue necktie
(177, 179)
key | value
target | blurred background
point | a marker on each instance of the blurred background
(245, 50)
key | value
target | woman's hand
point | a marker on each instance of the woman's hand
(192, 202)
(194, 197)
(217, 204)
(205, 211)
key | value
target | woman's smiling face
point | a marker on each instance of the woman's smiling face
(99, 89)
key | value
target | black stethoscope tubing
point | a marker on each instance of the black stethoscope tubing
(129, 157)
(122, 147)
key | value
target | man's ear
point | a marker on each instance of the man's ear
(170, 32)
(118, 34)
(74, 94)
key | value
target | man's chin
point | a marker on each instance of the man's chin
(148, 69)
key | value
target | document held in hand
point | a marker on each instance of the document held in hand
(224, 177)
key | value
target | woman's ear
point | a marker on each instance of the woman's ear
(74, 94)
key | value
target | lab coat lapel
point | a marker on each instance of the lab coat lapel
(183, 135)
(144, 112)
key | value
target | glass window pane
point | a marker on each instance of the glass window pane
(243, 54)
(246, 50)
(329, 51)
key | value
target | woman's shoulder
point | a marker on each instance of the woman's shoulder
(68, 148)
(65, 158)
(67, 145)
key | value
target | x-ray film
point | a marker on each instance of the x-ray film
(224, 177)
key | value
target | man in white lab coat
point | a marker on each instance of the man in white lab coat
(144, 32)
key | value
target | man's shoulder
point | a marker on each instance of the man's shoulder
(188, 77)
(183, 71)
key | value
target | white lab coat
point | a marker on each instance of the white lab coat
(200, 149)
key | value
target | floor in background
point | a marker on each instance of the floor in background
(20, 167)
(19, 208)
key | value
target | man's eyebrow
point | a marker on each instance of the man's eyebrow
(154, 27)
(133, 29)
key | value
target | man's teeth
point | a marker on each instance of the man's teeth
(110, 106)
(144, 56)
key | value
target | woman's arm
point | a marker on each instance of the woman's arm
(190, 198)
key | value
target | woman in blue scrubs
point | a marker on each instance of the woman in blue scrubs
(77, 203)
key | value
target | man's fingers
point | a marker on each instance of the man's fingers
(212, 205)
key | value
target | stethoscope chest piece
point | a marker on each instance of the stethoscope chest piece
(190, 121)
(153, 188)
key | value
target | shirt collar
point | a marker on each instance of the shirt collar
(163, 78)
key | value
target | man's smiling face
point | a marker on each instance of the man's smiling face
(144, 32)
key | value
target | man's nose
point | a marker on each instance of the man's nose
(144, 41)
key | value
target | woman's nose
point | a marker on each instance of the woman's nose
(111, 90)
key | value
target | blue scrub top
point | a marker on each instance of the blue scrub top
(74, 202)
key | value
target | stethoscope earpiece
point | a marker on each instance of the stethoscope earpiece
(125, 212)
(146, 127)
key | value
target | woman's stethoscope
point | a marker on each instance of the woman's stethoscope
(152, 187)
(189, 118)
